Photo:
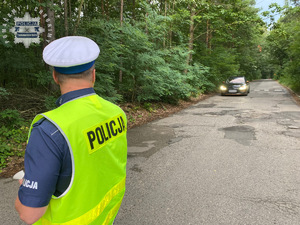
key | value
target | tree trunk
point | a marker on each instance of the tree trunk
(133, 9)
(170, 32)
(164, 41)
(207, 33)
(146, 29)
(208, 36)
(70, 10)
(51, 24)
(191, 37)
(102, 8)
(78, 17)
(146, 16)
(66, 17)
(51, 36)
(121, 13)
(44, 34)
(121, 57)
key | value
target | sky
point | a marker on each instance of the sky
(264, 6)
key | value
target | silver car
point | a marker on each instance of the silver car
(235, 86)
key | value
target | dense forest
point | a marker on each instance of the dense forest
(151, 51)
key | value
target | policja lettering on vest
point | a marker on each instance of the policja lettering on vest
(102, 133)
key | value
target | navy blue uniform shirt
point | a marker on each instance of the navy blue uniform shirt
(48, 167)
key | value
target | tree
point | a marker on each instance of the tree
(283, 43)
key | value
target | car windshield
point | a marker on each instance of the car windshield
(236, 80)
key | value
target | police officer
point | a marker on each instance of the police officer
(75, 159)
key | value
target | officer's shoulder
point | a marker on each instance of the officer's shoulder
(108, 103)
(45, 125)
(39, 122)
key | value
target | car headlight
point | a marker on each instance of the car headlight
(243, 88)
(223, 88)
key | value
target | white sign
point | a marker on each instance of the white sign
(27, 30)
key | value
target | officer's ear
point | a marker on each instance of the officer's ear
(94, 75)
(55, 77)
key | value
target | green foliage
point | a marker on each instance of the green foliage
(10, 118)
(284, 48)
(13, 134)
(200, 78)
(292, 67)
(3, 93)
(148, 106)
(50, 102)
(144, 59)
(43, 78)
(223, 63)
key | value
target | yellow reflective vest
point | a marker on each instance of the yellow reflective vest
(95, 131)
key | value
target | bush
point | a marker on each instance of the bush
(13, 135)
(3, 93)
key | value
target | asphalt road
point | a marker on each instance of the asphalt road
(226, 160)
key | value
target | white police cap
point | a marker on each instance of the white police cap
(72, 54)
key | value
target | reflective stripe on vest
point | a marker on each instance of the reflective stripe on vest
(91, 215)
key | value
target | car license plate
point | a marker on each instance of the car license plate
(232, 91)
